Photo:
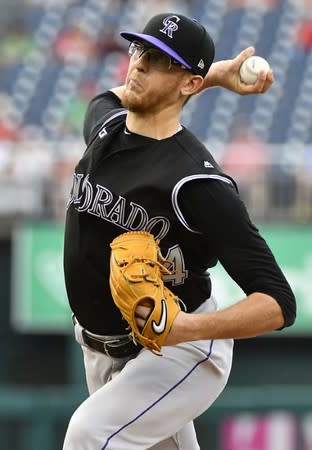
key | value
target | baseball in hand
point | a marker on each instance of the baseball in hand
(251, 67)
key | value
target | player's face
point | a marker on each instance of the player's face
(153, 80)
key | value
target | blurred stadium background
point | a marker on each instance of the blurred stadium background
(54, 56)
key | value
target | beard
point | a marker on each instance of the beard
(149, 102)
(134, 103)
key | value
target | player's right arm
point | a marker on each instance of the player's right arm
(221, 74)
(226, 74)
(99, 107)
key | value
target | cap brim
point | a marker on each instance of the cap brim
(156, 43)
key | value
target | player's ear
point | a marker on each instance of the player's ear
(192, 84)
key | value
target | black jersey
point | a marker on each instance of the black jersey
(172, 188)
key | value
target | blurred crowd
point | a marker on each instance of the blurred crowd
(36, 168)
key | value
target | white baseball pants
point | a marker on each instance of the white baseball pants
(149, 401)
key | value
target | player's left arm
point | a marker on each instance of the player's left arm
(254, 315)
(269, 303)
(226, 74)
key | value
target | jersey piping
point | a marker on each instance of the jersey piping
(177, 187)
(119, 113)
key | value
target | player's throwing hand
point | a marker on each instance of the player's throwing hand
(226, 74)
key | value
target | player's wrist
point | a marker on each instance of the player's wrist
(217, 75)
(185, 328)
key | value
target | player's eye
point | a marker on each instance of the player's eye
(158, 59)
(154, 57)
(136, 49)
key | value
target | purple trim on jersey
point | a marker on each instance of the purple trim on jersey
(163, 396)
(156, 43)
(119, 113)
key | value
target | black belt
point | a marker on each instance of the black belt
(115, 347)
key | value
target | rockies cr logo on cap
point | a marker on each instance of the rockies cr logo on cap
(170, 25)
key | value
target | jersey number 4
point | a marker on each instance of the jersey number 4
(175, 263)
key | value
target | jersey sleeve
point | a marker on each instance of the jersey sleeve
(215, 209)
(98, 108)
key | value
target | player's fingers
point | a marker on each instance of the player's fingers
(142, 312)
(141, 315)
(240, 58)
(263, 83)
(269, 80)
(140, 322)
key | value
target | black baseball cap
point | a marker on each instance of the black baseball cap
(182, 38)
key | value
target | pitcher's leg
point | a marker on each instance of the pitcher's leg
(152, 398)
(100, 369)
(185, 439)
